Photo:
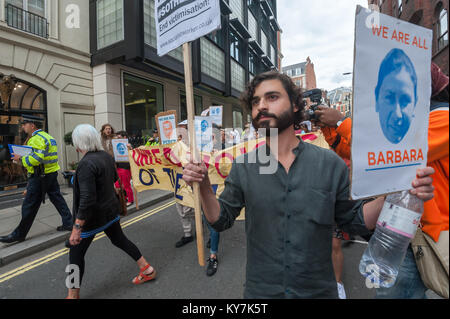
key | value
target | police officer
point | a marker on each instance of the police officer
(154, 141)
(42, 166)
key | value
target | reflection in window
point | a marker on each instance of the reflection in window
(236, 47)
(143, 100)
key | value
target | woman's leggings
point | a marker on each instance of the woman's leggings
(117, 237)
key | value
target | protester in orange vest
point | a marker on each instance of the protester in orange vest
(435, 219)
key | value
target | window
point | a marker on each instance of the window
(109, 22)
(213, 60)
(237, 76)
(27, 15)
(253, 63)
(237, 118)
(400, 7)
(218, 36)
(252, 26)
(237, 7)
(149, 23)
(236, 47)
(198, 106)
(442, 29)
(264, 43)
(143, 100)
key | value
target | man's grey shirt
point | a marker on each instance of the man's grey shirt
(289, 220)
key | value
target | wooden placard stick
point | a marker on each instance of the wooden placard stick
(193, 149)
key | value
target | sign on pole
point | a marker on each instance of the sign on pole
(182, 21)
(120, 149)
(203, 133)
(392, 89)
(178, 22)
(167, 127)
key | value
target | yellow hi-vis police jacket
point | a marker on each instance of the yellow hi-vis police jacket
(45, 151)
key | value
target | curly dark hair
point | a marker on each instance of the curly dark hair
(294, 93)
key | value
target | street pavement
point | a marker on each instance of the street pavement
(155, 231)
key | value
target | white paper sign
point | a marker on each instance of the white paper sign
(181, 21)
(203, 133)
(168, 129)
(21, 150)
(392, 89)
(216, 114)
(120, 148)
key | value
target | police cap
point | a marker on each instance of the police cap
(31, 119)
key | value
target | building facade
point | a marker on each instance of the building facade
(431, 14)
(341, 99)
(132, 83)
(45, 45)
(302, 74)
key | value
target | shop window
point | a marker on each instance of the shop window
(143, 100)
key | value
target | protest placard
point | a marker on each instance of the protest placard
(392, 88)
(182, 21)
(203, 133)
(120, 149)
(216, 114)
(167, 124)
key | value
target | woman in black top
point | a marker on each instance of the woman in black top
(96, 206)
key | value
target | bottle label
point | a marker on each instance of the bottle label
(398, 219)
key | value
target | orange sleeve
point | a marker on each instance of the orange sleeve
(438, 137)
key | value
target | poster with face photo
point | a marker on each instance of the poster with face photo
(392, 89)
(167, 127)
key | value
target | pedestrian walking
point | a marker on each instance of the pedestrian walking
(42, 167)
(96, 206)
(289, 214)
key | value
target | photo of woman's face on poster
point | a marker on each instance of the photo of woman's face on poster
(396, 95)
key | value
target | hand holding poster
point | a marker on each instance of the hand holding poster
(392, 88)
(181, 21)
(167, 127)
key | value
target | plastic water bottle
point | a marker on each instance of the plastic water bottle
(396, 227)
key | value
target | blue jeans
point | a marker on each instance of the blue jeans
(408, 285)
(214, 236)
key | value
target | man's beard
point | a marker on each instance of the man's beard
(283, 121)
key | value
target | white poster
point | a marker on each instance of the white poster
(181, 21)
(392, 89)
(120, 148)
(167, 125)
(216, 114)
(203, 133)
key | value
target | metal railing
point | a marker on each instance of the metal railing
(26, 21)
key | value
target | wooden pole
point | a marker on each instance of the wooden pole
(193, 149)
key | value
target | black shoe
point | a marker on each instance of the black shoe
(64, 228)
(212, 266)
(11, 239)
(208, 244)
(183, 241)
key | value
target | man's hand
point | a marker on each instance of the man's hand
(16, 157)
(422, 185)
(328, 116)
(195, 173)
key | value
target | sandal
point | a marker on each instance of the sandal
(143, 276)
